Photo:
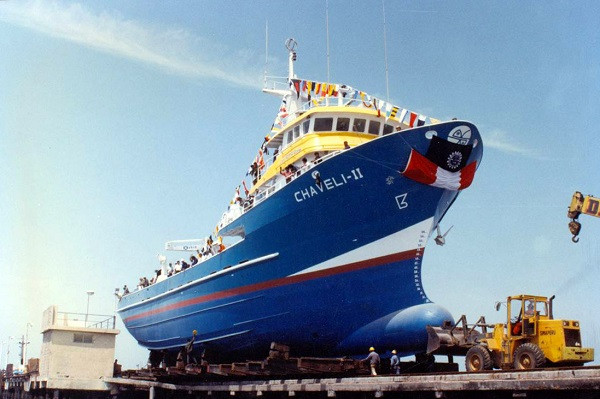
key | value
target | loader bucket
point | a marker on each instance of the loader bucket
(433, 339)
(444, 340)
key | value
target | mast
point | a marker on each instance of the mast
(291, 45)
(387, 79)
(327, 29)
(266, 52)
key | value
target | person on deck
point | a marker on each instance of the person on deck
(317, 158)
(304, 164)
(286, 173)
(177, 267)
(184, 264)
(293, 169)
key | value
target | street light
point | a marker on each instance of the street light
(87, 311)
(1, 353)
(8, 350)
(26, 342)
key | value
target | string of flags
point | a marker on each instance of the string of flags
(313, 93)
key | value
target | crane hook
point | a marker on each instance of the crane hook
(574, 228)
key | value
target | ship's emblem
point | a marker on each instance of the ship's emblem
(460, 135)
(389, 180)
(454, 160)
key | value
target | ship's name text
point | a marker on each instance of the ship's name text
(322, 185)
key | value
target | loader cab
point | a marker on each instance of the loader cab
(524, 313)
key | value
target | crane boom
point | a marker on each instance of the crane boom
(585, 204)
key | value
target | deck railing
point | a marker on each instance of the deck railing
(70, 319)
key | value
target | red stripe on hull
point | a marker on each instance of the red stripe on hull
(279, 282)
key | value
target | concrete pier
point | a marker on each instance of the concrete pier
(583, 382)
(568, 383)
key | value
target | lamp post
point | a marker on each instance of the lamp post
(87, 310)
(8, 350)
(26, 342)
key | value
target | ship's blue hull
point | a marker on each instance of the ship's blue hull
(329, 265)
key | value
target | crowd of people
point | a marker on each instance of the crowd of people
(292, 171)
(211, 248)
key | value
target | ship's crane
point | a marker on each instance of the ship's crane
(580, 203)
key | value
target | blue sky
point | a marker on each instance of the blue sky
(124, 125)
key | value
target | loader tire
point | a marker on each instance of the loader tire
(528, 356)
(478, 359)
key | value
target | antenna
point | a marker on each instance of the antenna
(266, 51)
(387, 78)
(327, 29)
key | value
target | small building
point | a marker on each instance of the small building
(78, 350)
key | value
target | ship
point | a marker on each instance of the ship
(322, 249)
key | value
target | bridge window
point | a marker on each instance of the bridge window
(374, 127)
(296, 132)
(387, 129)
(359, 125)
(323, 124)
(305, 126)
(343, 124)
(289, 137)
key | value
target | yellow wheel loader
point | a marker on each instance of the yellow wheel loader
(530, 338)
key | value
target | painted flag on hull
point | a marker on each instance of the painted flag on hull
(422, 170)
(448, 155)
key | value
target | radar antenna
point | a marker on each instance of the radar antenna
(291, 45)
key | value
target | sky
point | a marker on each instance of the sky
(124, 125)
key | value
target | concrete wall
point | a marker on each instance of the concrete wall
(61, 357)
(64, 358)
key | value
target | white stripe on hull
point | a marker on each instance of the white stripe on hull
(401, 241)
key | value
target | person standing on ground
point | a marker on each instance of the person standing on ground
(395, 363)
(189, 348)
(373, 360)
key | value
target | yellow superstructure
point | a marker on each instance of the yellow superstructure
(323, 130)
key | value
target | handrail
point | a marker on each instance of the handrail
(263, 195)
(90, 320)
(203, 279)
